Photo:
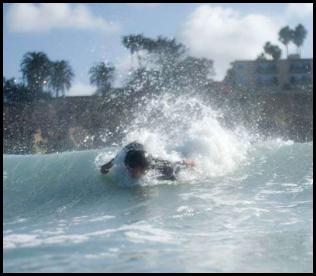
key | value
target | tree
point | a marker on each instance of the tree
(102, 76)
(134, 43)
(139, 42)
(261, 57)
(276, 52)
(149, 44)
(298, 37)
(168, 48)
(35, 68)
(8, 90)
(144, 79)
(285, 36)
(272, 50)
(14, 92)
(230, 77)
(267, 48)
(168, 66)
(166, 56)
(60, 77)
(194, 72)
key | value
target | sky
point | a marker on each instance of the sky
(85, 34)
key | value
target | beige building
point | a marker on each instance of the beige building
(284, 74)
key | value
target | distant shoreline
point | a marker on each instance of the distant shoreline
(76, 123)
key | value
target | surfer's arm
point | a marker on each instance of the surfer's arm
(106, 167)
(170, 169)
(183, 165)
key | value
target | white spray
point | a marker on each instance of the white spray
(182, 127)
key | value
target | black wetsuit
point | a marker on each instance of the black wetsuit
(166, 170)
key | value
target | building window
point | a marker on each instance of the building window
(240, 66)
(302, 79)
(300, 67)
(266, 68)
(267, 80)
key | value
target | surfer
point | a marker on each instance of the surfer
(138, 162)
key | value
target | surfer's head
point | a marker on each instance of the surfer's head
(136, 163)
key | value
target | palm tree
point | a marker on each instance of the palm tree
(298, 37)
(285, 36)
(102, 75)
(61, 75)
(35, 68)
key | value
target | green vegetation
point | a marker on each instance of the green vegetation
(102, 75)
(298, 37)
(60, 77)
(286, 36)
(272, 50)
(38, 105)
(35, 68)
(168, 65)
(42, 79)
(163, 65)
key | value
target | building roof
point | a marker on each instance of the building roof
(269, 60)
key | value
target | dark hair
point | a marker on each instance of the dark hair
(136, 159)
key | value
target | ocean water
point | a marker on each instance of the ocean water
(246, 207)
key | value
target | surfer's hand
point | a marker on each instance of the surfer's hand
(189, 163)
(106, 167)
